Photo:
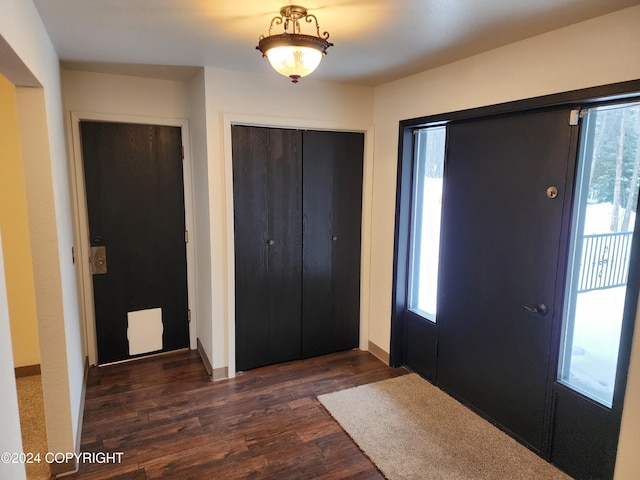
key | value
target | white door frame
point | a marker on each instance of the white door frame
(81, 220)
(230, 119)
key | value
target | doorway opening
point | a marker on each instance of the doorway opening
(83, 252)
(538, 268)
(20, 282)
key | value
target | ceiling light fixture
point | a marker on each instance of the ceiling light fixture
(293, 54)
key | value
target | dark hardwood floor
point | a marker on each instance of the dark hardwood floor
(170, 421)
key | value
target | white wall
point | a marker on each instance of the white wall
(60, 338)
(10, 440)
(197, 108)
(596, 52)
(628, 460)
(268, 99)
(46, 181)
(209, 98)
(124, 95)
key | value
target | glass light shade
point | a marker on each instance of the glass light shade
(294, 61)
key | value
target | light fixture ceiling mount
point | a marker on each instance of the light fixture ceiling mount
(292, 53)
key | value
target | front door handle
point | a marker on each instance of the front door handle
(540, 309)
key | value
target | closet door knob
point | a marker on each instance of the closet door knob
(334, 238)
(271, 242)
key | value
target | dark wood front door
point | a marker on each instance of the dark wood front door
(502, 233)
(135, 201)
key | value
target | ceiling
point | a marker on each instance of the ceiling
(376, 41)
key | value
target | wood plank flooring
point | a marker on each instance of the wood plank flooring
(170, 421)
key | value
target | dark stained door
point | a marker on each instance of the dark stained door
(500, 262)
(135, 200)
(332, 197)
(267, 189)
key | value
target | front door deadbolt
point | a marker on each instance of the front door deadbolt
(98, 260)
(552, 192)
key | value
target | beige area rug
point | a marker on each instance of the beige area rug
(412, 430)
(32, 424)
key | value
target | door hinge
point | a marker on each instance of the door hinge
(186, 236)
(189, 314)
(182, 147)
(575, 116)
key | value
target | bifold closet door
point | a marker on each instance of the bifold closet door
(332, 199)
(267, 183)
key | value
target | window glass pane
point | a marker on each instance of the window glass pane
(425, 221)
(604, 219)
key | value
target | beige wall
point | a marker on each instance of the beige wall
(15, 227)
(596, 52)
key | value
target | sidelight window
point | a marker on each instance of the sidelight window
(428, 166)
(603, 227)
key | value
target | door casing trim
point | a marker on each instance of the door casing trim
(570, 99)
(613, 93)
(81, 219)
(230, 119)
